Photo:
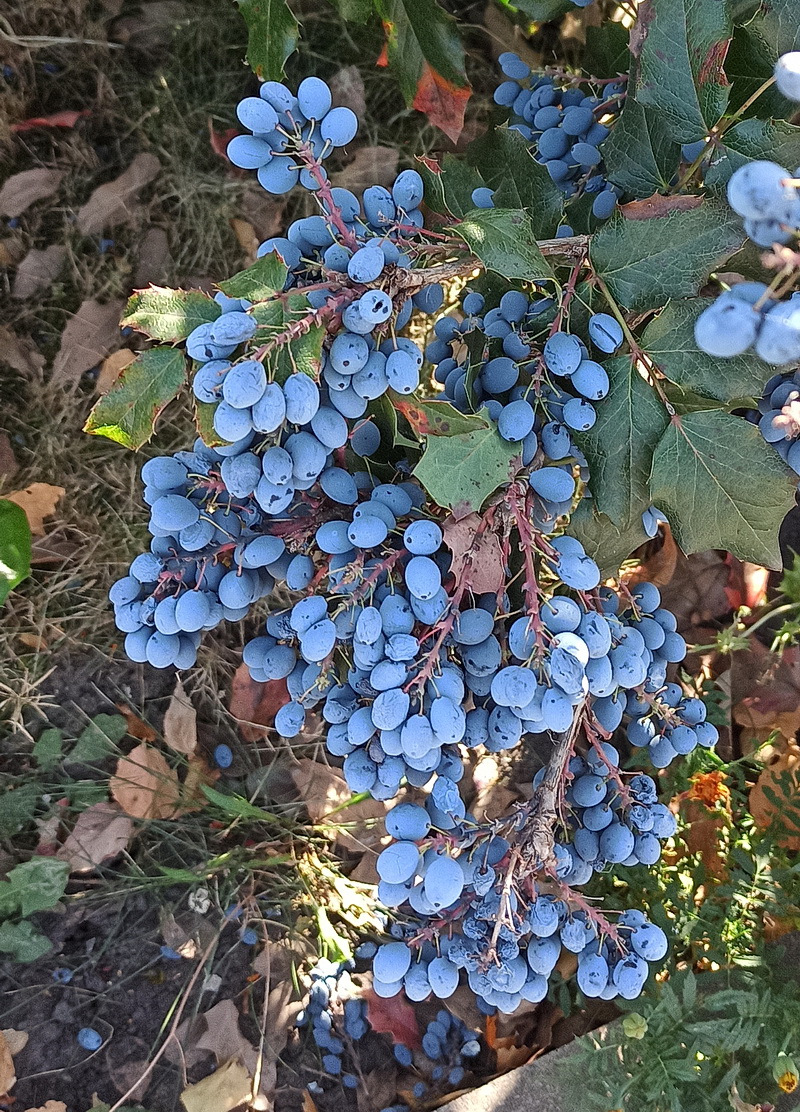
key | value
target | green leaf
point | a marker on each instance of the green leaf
(449, 184)
(128, 413)
(722, 486)
(38, 884)
(99, 739)
(645, 262)
(684, 400)
(17, 808)
(752, 139)
(271, 36)
(679, 70)
(435, 418)
(606, 52)
(504, 241)
(204, 422)
(236, 806)
(605, 542)
(543, 11)
(355, 11)
(426, 54)
(47, 748)
(506, 165)
(777, 27)
(420, 31)
(640, 154)
(165, 314)
(266, 277)
(15, 547)
(460, 472)
(669, 340)
(750, 62)
(620, 446)
(278, 319)
(22, 941)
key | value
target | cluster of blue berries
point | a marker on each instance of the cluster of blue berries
(778, 416)
(564, 128)
(449, 1049)
(539, 391)
(745, 317)
(289, 133)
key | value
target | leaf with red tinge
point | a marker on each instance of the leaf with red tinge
(425, 52)
(66, 118)
(435, 418)
(479, 554)
(651, 208)
(254, 705)
(394, 1017)
(129, 411)
(219, 141)
(442, 102)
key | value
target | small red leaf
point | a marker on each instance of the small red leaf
(393, 1017)
(220, 139)
(432, 165)
(652, 208)
(383, 57)
(442, 102)
(66, 118)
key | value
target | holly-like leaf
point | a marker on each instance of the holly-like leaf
(504, 241)
(294, 340)
(165, 314)
(669, 340)
(449, 184)
(620, 446)
(679, 71)
(607, 544)
(425, 52)
(15, 547)
(722, 486)
(432, 418)
(777, 27)
(506, 165)
(271, 36)
(640, 154)
(129, 411)
(606, 52)
(460, 472)
(23, 941)
(204, 422)
(645, 262)
(266, 277)
(775, 140)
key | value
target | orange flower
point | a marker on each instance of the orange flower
(709, 788)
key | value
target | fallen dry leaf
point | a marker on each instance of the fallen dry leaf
(101, 832)
(775, 798)
(371, 166)
(67, 117)
(484, 553)
(254, 705)
(347, 90)
(38, 270)
(22, 190)
(110, 204)
(39, 500)
(144, 785)
(325, 789)
(112, 368)
(21, 355)
(8, 461)
(90, 335)
(221, 1091)
(394, 1017)
(11, 250)
(263, 210)
(137, 728)
(219, 141)
(49, 1106)
(15, 1040)
(198, 773)
(7, 1074)
(246, 235)
(153, 260)
(180, 722)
